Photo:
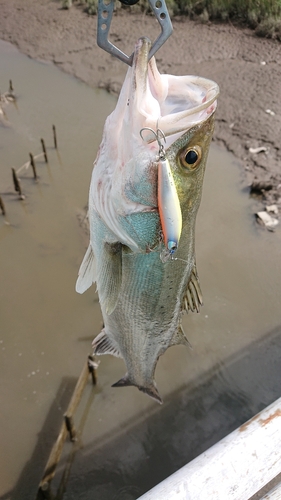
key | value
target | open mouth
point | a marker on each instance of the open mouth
(167, 102)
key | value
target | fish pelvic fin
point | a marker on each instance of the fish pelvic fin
(151, 390)
(192, 299)
(102, 344)
(87, 271)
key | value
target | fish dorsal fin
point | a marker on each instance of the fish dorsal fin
(87, 271)
(179, 338)
(192, 299)
(109, 276)
(102, 344)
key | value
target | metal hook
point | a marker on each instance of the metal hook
(159, 135)
(105, 11)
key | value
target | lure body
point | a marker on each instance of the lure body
(169, 206)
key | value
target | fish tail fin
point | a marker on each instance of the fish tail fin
(151, 390)
(123, 382)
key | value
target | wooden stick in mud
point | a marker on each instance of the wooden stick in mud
(92, 369)
(44, 150)
(16, 182)
(11, 88)
(55, 137)
(50, 469)
(67, 427)
(32, 163)
(2, 206)
(76, 396)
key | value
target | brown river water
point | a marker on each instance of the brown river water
(127, 442)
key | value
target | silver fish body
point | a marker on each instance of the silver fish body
(142, 288)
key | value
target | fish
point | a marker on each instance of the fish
(145, 192)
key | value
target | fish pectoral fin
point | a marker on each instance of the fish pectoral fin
(109, 276)
(151, 390)
(87, 271)
(193, 299)
(102, 344)
(179, 338)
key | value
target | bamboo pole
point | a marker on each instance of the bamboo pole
(50, 469)
(66, 428)
(44, 150)
(32, 163)
(76, 396)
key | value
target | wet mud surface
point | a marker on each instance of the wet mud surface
(247, 69)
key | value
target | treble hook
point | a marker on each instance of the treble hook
(159, 136)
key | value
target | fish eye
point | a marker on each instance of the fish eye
(191, 157)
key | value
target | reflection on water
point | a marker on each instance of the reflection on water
(128, 442)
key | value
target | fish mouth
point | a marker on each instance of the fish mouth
(171, 103)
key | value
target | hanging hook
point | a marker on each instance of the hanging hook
(105, 12)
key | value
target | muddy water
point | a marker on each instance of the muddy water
(128, 443)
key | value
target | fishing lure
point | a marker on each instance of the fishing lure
(168, 201)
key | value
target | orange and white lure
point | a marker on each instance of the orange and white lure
(168, 201)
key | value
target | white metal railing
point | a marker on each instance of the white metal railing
(235, 468)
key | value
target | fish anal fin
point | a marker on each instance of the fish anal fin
(151, 390)
(192, 298)
(179, 338)
(102, 344)
(87, 271)
(110, 276)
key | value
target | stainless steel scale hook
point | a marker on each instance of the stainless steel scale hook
(105, 11)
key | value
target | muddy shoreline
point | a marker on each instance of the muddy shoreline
(247, 69)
